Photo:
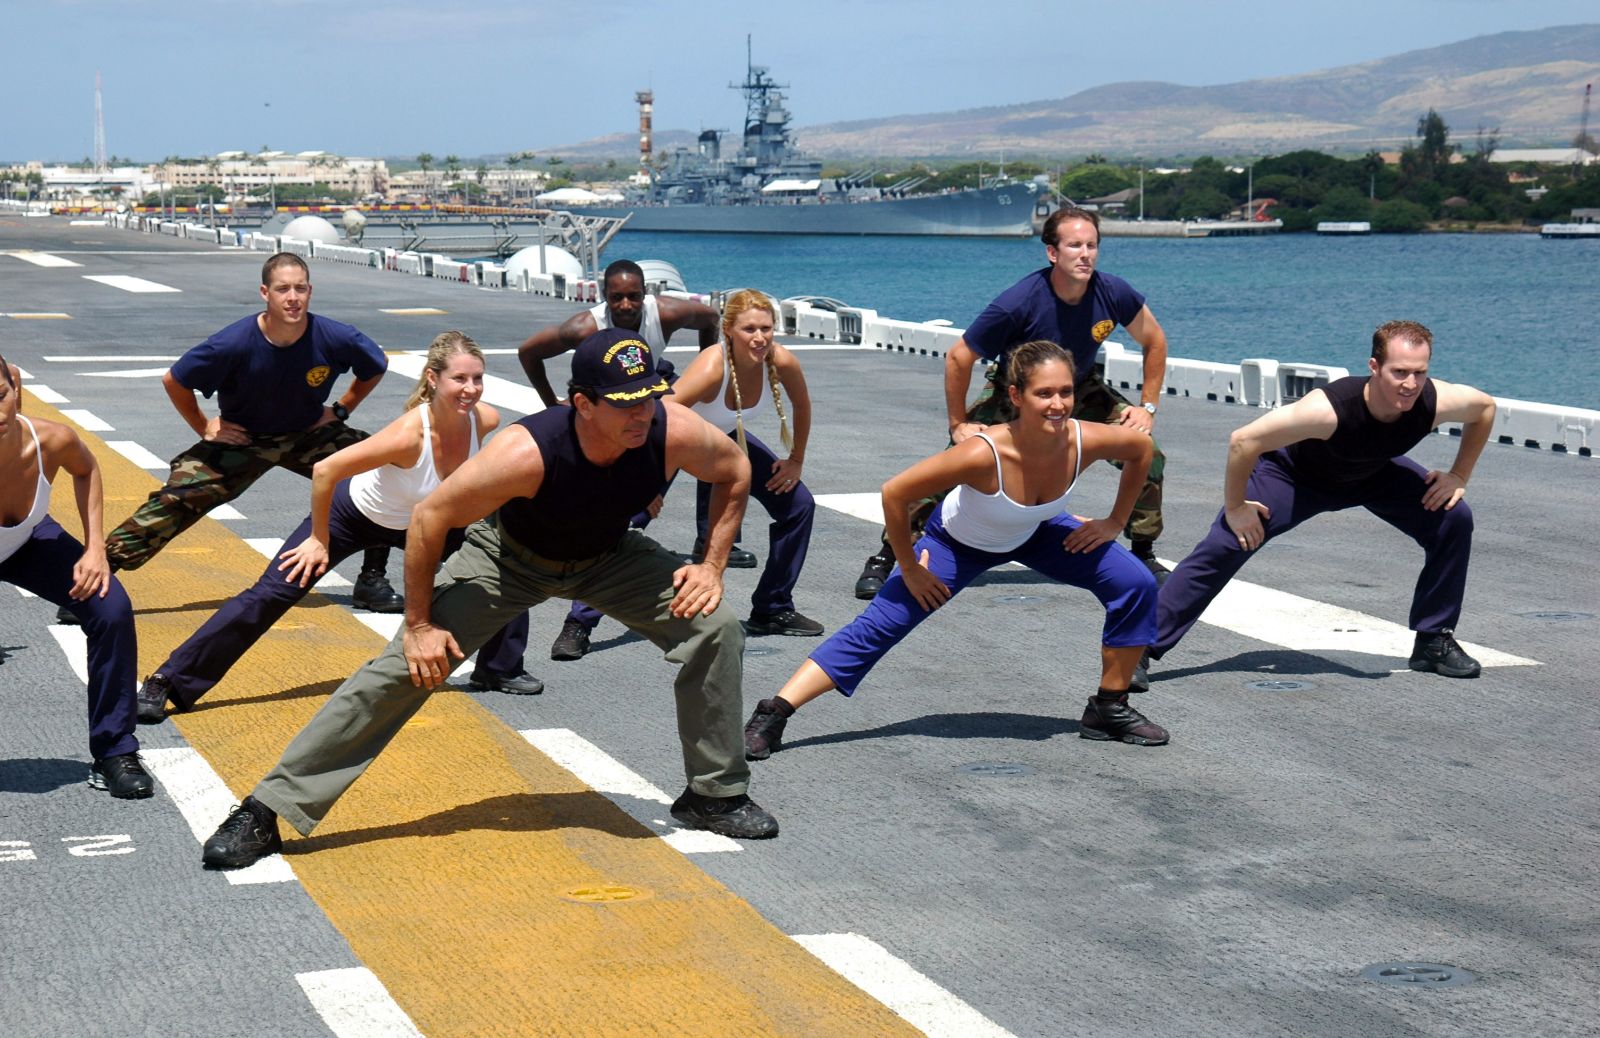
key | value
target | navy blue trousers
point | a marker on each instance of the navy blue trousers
(43, 566)
(1393, 494)
(199, 663)
(1121, 582)
(788, 536)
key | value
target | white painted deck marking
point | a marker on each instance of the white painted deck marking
(604, 774)
(110, 358)
(40, 391)
(88, 420)
(129, 373)
(269, 546)
(416, 311)
(1306, 625)
(386, 625)
(204, 801)
(497, 391)
(354, 1004)
(225, 512)
(1266, 615)
(74, 646)
(87, 223)
(129, 283)
(138, 455)
(42, 259)
(41, 315)
(916, 999)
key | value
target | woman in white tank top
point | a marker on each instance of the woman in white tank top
(38, 556)
(361, 497)
(728, 384)
(1007, 502)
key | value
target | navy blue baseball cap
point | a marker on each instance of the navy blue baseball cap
(619, 365)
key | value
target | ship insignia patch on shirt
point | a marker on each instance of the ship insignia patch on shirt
(319, 374)
(1101, 330)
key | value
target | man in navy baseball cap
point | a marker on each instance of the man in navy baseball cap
(619, 366)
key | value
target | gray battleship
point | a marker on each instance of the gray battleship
(770, 187)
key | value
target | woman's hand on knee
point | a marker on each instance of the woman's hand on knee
(929, 591)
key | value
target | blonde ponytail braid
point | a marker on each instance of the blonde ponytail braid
(738, 403)
(777, 400)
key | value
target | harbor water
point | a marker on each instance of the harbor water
(1511, 313)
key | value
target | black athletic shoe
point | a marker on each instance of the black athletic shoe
(1107, 719)
(1442, 654)
(785, 621)
(738, 558)
(1141, 674)
(65, 618)
(736, 816)
(519, 684)
(1145, 552)
(153, 695)
(763, 733)
(572, 643)
(249, 834)
(873, 574)
(374, 593)
(123, 776)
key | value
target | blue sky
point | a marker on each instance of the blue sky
(364, 77)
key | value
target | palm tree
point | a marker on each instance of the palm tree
(452, 170)
(424, 160)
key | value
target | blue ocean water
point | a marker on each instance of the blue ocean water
(1513, 314)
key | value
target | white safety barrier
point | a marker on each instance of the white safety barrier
(492, 275)
(788, 322)
(295, 246)
(909, 336)
(409, 263)
(814, 323)
(1565, 430)
(1296, 380)
(851, 321)
(1258, 381)
(347, 254)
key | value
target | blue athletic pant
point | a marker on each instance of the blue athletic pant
(43, 566)
(1121, 582)
(788, 535)
(199, 663)
(1393, 494)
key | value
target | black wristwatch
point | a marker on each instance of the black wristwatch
(340, 411)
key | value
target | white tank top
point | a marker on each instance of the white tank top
(716, 410)
(388, 493)
(994, 522)
(649, 324)
(12, 538)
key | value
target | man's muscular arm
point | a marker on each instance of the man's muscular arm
(552, 342)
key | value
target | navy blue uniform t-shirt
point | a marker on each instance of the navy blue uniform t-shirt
(277, 389)
(1030, 310)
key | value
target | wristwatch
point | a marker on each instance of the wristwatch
(342, 412)
(1149, 407)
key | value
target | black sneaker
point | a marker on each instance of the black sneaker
(735, 816)
(785, 621)
(249, 834)
(1140, 681)
(1145, 552)
(153, 696)
(572, 643)
(1442, 654)
(1107, 719)
(123, 776)
(519, 684)
(374, 593)
(763, 733)
(738, 558)
(873, 574)
(66, 618)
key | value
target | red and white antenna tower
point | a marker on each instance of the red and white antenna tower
(99, 128)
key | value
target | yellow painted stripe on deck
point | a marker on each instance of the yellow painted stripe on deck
(39, 317)
(451, 866)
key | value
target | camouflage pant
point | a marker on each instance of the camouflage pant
(209, 474)
(1096, 402)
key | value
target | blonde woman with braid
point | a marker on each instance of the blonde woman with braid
(361, 497)
(726, 385)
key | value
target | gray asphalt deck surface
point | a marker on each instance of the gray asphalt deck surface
(1234, 882)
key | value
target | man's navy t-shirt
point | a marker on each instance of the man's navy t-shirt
(1030, 310)
(270, 389)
